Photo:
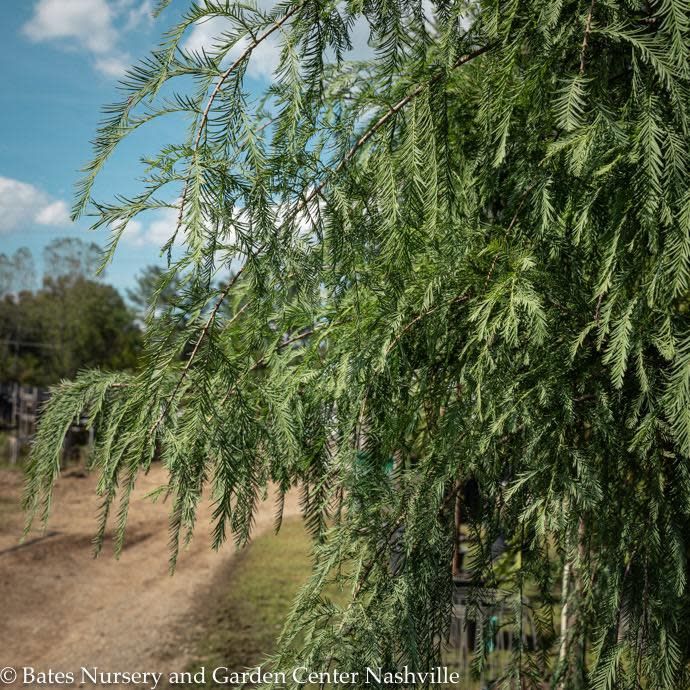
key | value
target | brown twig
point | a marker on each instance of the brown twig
(585, 40)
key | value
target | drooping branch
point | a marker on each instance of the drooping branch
(246, 53)
(202, 335)
(319, 188)
(394, 110)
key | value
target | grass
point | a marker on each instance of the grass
(242, 614)
(256, 594)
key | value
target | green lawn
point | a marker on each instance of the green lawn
(248, 614)
(241, 618)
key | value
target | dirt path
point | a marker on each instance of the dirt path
(62, 609)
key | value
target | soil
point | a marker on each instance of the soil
(62, 609)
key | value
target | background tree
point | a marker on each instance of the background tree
(469, 254)
(71, 257)
(71, 323)
(152, 288)
(17, 272)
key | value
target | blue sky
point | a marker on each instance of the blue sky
(62, 60)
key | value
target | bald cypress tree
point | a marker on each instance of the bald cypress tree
(467, 259)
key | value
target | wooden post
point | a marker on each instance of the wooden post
(456, 565)
(14, 449)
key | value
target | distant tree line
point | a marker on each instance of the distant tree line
(70, 322)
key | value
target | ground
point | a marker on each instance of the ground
(63, 609)
(242, 614)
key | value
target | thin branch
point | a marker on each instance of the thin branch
(389, 114)
(585, 40)
(204, 331)
(262, 360)
(219, 85)
(419, 317)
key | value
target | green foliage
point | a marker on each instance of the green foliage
(70, 324)
(468, 254)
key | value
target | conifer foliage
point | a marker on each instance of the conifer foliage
(466, 258)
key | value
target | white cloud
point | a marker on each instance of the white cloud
(132, 234)
(23, 204)
(137, 13)
(265, 57)
(203, 34)
(113, 66)
(156, 232)
(162, 228)
(56, 213)
(94, 26)
(89, 23)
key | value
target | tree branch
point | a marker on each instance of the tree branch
(419, 317)
(219, 85)
(585, 40)
(204, 331)
(364, 138)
